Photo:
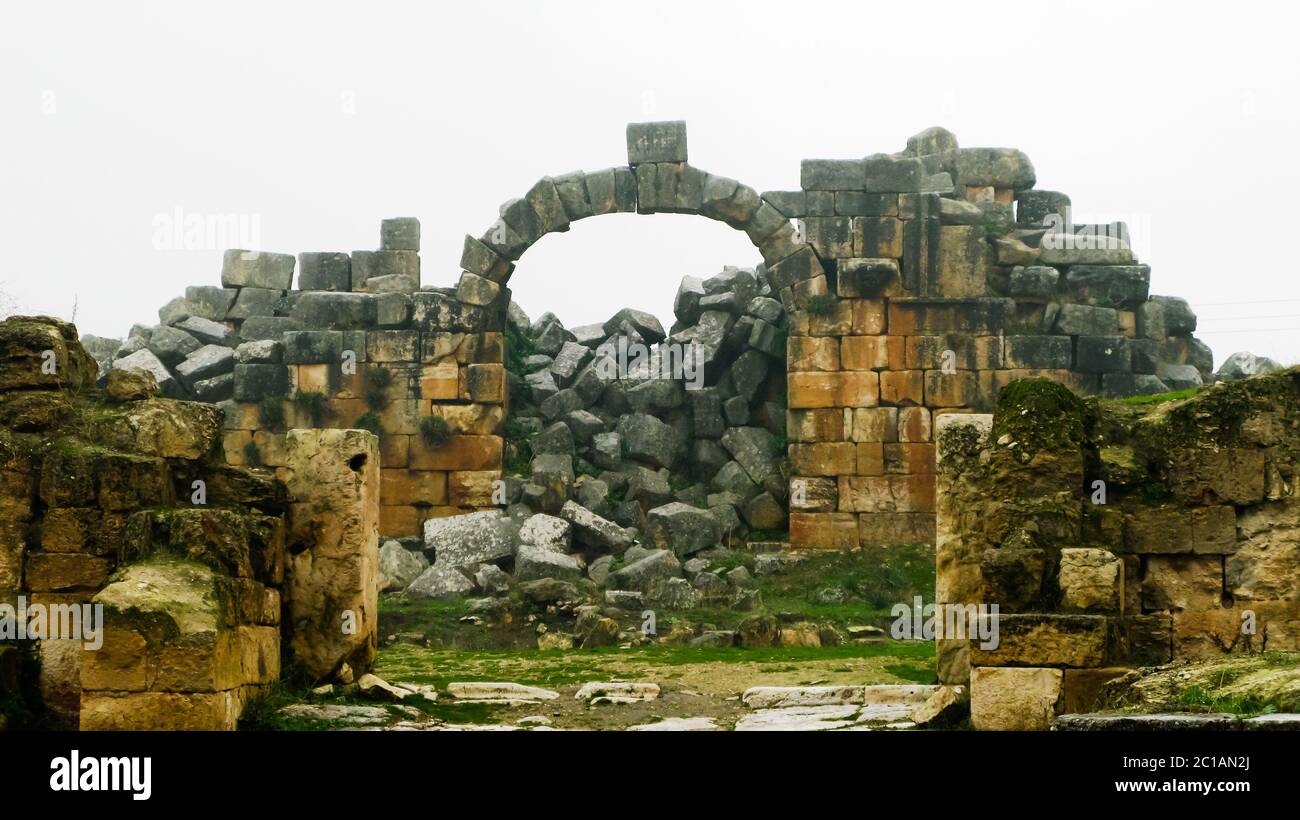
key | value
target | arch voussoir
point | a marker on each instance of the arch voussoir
(657, 179)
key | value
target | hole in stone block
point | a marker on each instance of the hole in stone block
(357, 462)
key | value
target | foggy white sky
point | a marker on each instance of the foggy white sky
(318, 119)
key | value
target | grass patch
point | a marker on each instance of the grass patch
(1158, 398)
(311, 404)
(378, 380)
(270, 412)
(369, 421)
(435, 431)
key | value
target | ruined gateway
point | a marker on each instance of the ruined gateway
(905, 366)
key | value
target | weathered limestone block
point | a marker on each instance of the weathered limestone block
(173, 656)
(1173, 530)
(1091, 580)
(256, 269)
(1050, 640)
(1264, 566)
(1227, 475)
(964, 261)
(995, 167)
(40, 352)
(656, 142)
(331, 591)
(324, 271)
(1014, 699)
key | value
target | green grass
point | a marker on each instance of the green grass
(270, 411)
(312, 403)
(405, 663)
(435, 431)
(1159, 398)
(369, 421)
(874, 580)
(1244, 706)
(378, 380)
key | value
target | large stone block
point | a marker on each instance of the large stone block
(1050, 640)
(1005, 699)
(833, 174)
(656, 142)
(1233, 475)
(324, 271)
(823, 530)
(333, 543)
(257, 269)
(1091, 580)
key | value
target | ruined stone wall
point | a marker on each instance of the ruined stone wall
(357, 344)
(917, 283)
(1113, 535)
(948, 277)
(120, 499)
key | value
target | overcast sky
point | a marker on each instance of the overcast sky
(313, 121)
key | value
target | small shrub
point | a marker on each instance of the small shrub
(821, 304)
(252, 455)
(378, 380)
(369, 421)
(270, 412)
(435, 431)
(312, 404)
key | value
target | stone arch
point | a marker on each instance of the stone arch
(657, 179)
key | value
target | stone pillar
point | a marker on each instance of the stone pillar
(332, 591)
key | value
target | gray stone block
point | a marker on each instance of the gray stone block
(1119, 286)
(254, 382)
(1034, 207)
(1102, 354)
(312, 346)
(216, 389)
(1086, 320)
(1033, 281)
(863, 203)
(177, 310)
(885, 173)
(255, 302)
(145, 359)
(208, 331)
(393, 310)
(998, 167)
(833, 174)
(572, 191)
(476, 257)
(656, 142)
(267, 327)
(373, 264)
(399, 234)
(546, 204)
(1145, 355)
(324, 270)
(206, 362)
(1039, 352)
(171, 345)
(337, 311)
(262, 351)
(210, 302)
(432, 311)
(1179, 319)
(257, 269)
(790, 203)
(1118, 385)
